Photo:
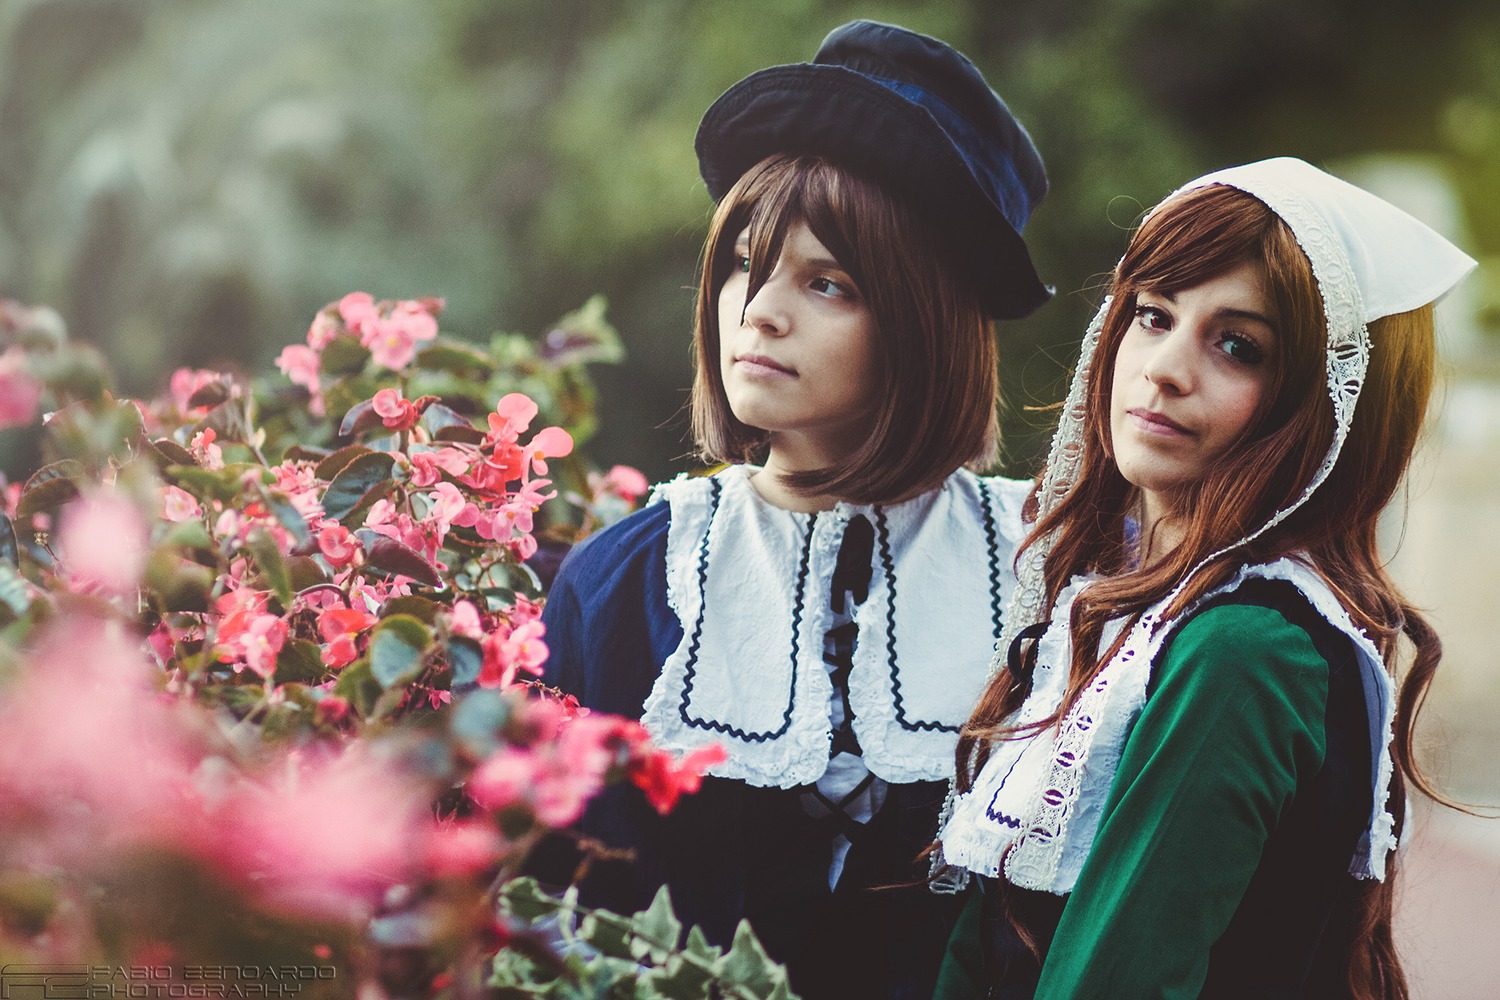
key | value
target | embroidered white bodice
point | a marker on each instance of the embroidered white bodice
(1043, 797)
(749, 582)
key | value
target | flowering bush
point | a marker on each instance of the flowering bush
(268, 660)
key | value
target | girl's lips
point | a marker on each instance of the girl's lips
(759, 364)
(1157, 423)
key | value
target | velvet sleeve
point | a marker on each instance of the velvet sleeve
(1234, 721)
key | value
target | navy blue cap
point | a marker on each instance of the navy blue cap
(915, 115)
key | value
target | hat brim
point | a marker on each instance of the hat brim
(830, 111)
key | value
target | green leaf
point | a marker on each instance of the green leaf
(437, 416)
(582, 336)
(299, 660)
(415, 605)
(525, 900)
(289, 517)
(272, 564)
(361, 417)
(698, 945)
(343, 356)
(748, 965)
(190, 534)
(679, 979)
(13, 589)
(166, 453)
(465, 658)
(179, 584)
(658, 928)
(393, 558)
(358, 686)
(306, 572)
(476, 721)
(359, 477)
(333, 464)
(49, 488)
(397, 647)
(9, 550)
(455, 357)
(608, 933)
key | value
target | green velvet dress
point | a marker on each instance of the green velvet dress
(1220, 868)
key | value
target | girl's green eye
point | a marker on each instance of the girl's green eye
(742, 263)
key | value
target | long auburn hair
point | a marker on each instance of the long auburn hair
(1193, 238)
(936, 350)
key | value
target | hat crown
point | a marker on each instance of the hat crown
(892, 53)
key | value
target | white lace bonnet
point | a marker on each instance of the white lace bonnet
(1370, 259)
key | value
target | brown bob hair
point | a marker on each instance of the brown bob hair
(936, 355)
(1195, 237)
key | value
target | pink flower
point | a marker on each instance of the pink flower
(504, 655)
(325, 327)
(187, 381)
(208, 454)
(323, 837)
(503, 779)
(261, 642)
(357, 310)
(466, 621)
(20, 392)
(447, 504)
(179, 505)
(338, 545)
(396, 412)
(623, 481)
(513, 414)
(425, 465)
(299, 363)
(103, 542)
(462, 848)
(549, 442)
(392, 341)
(664, 780)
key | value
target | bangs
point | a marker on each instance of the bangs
(783, 192)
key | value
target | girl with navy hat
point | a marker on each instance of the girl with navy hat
(1188, 779)
(824, 606)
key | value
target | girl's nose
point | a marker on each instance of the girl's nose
(766, 311)
(1169, 366)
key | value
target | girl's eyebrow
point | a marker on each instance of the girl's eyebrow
(1231, 312)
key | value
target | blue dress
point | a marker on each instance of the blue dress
(738, 850)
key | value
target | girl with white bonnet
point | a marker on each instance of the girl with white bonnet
(1188, 779)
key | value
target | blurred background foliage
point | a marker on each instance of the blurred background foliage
(188, 181)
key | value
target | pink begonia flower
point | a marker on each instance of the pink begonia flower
(625, 482)
(425, 465)
(104, 542)
(664, 779)
(392, 341)
(339, 626)
(178, 505)
(261, 642)
(502, 780)
(462, 847)
(357, 310)
(466, 620)
(447, 503)
(208, 454)
(513, 414)
(504, 655)
(549, 442)
(299, 364)
(395, 411)
(523, 547)
(187, 381)
(524, 611)
(20, 391)
(325, 837)
(338, 545)
(325, 326)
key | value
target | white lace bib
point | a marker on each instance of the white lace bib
(1043, 797)
(750, 584)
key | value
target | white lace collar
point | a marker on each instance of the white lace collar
(750, 584)
(1043, 797)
